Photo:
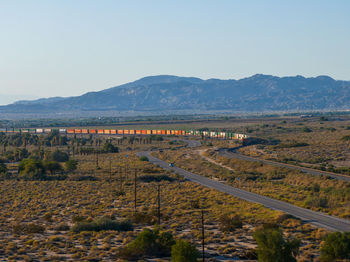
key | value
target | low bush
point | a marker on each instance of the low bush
(184, 251)
(143, 218)
(336, 247)
(82, 178)
(102, 224)
(273, 247)
(28, 228)
(155, 178)
(229, 223)
(62, 227)
(149, 243)
(143, 158)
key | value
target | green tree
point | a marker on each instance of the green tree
(272, 247)
(306, 130)
(336, 246)
(184, 251)
(148, 243)
(59, 156)
(71, 165)
(3, 168)
(143, 158)
(110, 148)
(32, 169)
(53, 167)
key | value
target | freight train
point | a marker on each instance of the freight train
(122, 132)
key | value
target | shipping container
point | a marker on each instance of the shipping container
(100, 131)
(126, 132)
(106, 131)
(77, 131)
(69, 131)
(62, 130)
(85, 131)
(132, 132)
(113, 132)
(120, 132)
(92, 131)
(25, 131)
(149, 132)
(2, 129)
(144, 132)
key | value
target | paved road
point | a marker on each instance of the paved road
(316, 218)
(233, 154)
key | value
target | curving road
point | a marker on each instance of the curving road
(231, 153)
(309, 216)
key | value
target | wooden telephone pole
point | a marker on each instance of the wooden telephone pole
(110, 169)
(158, 200)
(202, 213)
(96, 159)
(135, 190)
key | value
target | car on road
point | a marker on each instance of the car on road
(171, 164)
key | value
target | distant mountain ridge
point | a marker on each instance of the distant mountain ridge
(257, 93)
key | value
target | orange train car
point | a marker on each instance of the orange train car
(92, 131)
(85, 131)
(70, 131)
(138, 132)
(120, 132)
(149, 132)
(77, 131)
(100, 131)
(106, 131)
(144, 132)
(113, 132)
(126, 132)
(132, 132)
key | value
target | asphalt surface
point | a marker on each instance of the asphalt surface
(233, 154)
(309, 216)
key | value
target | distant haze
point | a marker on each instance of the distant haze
(167, 94)
(67, 48)
(8, 99)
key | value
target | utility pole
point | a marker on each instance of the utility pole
(96, 159)
(135, 190)
(158, 200)
(120, 179)
(110, 169)
(202, 212)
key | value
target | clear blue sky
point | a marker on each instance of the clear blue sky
(69, 47)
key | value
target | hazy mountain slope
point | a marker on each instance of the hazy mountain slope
(256, 93)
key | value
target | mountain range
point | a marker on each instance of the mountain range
(258, 93)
